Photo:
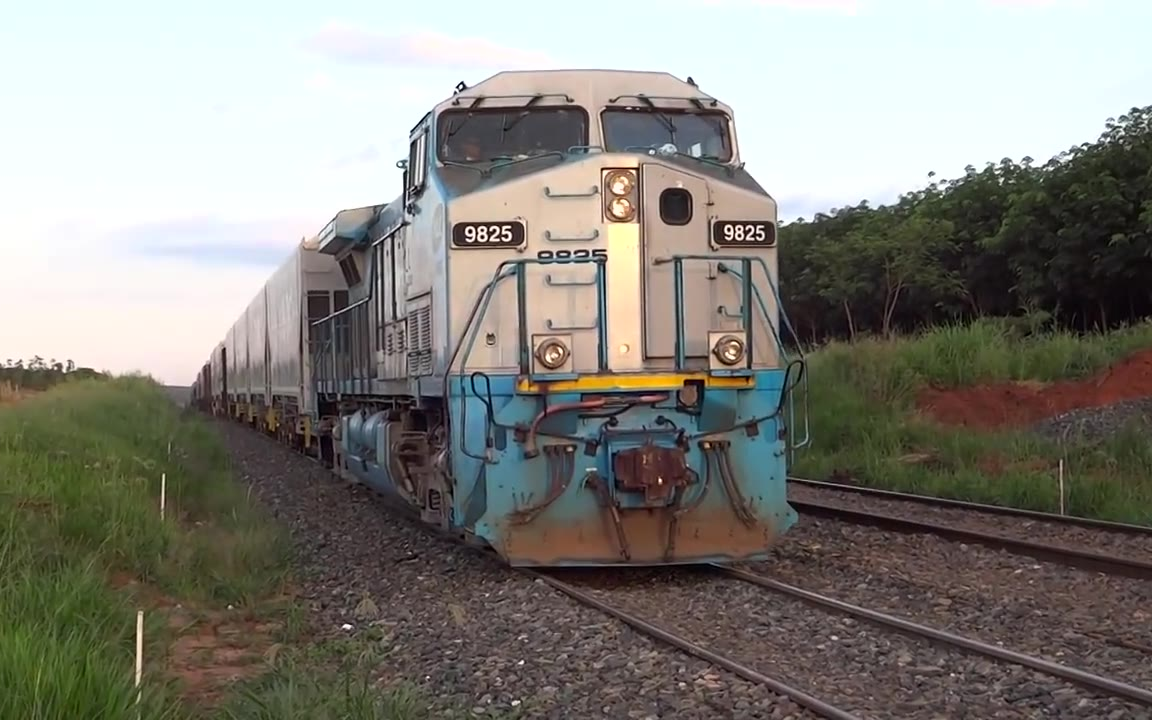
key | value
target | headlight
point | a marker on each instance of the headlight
(621, 209)
(551, 353)
(621, 183)
(729, 349)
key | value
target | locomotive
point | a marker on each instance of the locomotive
(563, 340)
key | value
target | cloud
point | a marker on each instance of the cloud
(349, 43)
(213, 242)
(1034, 4)
(846, 7)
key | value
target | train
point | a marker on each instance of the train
(562, 341)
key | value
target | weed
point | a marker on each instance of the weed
(82, 546)
(865, 424)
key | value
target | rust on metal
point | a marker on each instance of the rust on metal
(656, 471)
(706, 532)
(561, 465)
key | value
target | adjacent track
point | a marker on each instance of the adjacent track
(1089, 680)
(1075, 557)
(1090, 523)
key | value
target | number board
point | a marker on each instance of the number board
(488, 234)
(744, 233)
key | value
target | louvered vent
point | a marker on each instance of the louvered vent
(420, 341)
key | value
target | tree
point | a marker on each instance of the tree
(1068, 241)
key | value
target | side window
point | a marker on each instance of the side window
(417, 163)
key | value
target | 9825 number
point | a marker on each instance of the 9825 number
(488, 234)
(743, 233)
(571, 256)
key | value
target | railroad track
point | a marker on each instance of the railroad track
(1096, 545)
(1096, 684)
(819, 702)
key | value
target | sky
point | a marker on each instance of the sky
(157, 164)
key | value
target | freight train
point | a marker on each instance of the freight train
(563, 340)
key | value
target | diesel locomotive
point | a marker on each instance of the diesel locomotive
(563, 340)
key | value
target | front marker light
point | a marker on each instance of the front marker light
(552, 353)
(729, 349)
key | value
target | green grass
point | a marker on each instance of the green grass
(862, 398)
(80, 470)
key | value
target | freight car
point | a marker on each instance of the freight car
(563, 340)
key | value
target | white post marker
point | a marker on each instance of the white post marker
(163, 492)
(1060, 472)
(139, 657)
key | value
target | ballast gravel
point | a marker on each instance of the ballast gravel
(1091, 621)
(481, 640)
(1094, 424)
(871, 671)
(1050, 533)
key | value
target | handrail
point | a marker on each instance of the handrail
(748, 291)
(471, 329)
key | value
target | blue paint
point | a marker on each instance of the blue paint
(494, 483)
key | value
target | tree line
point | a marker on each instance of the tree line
(1067, 243)
(41, 374)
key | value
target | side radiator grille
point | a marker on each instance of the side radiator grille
(420, 339)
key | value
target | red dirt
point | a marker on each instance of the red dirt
(209, 649)
(1024, 403)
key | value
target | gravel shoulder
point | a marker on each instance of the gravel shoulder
(871, 671)
(480, 639)
(1095, 622)
(1130, 545)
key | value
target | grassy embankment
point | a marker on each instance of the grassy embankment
(865, 424)
(82, 547)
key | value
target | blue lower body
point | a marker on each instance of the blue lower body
(611, 478)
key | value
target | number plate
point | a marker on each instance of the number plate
(744, 233)
(488, 234)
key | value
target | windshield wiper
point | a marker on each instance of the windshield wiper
(662, 117)
(524, 112)
(505, 161)
(452, 133)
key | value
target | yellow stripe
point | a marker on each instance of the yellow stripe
(632, 381)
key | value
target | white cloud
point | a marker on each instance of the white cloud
(347, 42)
(846, 7)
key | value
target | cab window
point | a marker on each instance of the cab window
(699, 134)
(491, 134)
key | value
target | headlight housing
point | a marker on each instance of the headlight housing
(621, 187)
(552, 353)
(729, 349)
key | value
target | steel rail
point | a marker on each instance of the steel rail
(1081, 677)
(826, 710)
(1083, 559)
(1092, 523)
(798, 696)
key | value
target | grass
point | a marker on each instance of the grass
(864, 424)
(82, 547)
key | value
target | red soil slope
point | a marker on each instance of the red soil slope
(1024, 403)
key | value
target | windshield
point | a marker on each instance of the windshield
(505, 133)
(699, 134)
